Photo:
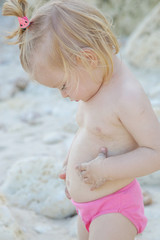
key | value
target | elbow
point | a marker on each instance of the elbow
(156, 158)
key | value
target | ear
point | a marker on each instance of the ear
(90, 56)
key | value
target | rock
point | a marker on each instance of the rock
(143, 44)
(11, 87)
(32, 118)
(39, 228)
(54, 138)
(147, 198)
(126, 14)
(7, 90)
(70, 127)
(151, 179)
(3, 148)
(21, 83)
(34, 184)
(72, 229)
(9, 229)
(3, 127)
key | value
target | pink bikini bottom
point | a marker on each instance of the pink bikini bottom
(128, 201)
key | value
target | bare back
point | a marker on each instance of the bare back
(99, 126)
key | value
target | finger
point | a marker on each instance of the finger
(81, 167)
(87, 180)
(103, 152)
(93, 187)
(80, 174)
(84, 174)
(62, 176)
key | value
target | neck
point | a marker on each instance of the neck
(116, 69)
(117, 64)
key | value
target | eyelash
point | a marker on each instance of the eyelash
(63, 87)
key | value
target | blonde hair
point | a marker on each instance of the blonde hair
(64, 28)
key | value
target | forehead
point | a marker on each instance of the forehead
(48, 76)
(45, 72)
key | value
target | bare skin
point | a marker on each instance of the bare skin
(103, 228)
(99, 126)
(89, 175)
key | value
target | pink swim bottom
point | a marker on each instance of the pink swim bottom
(128, 201)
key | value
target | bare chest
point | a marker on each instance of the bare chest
(103, 128)
(99, 119)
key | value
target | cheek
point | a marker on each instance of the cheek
(77, 90)
(72, 88)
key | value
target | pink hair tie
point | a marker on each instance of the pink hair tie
(23, 22)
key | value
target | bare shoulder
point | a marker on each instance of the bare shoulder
(135, 112)
(131, 92)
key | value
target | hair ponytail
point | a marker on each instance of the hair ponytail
(59, 32)
(16, 8)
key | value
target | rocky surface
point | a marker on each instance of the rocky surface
(142, 46)
(9, 229)
(34, 184)
(37, 124)
(126, 14)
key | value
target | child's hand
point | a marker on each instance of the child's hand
(62, 175)
(91, 172)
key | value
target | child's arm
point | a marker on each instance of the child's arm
(137, 116)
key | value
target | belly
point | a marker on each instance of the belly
(85, 148)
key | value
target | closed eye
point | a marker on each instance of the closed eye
(63, 87)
